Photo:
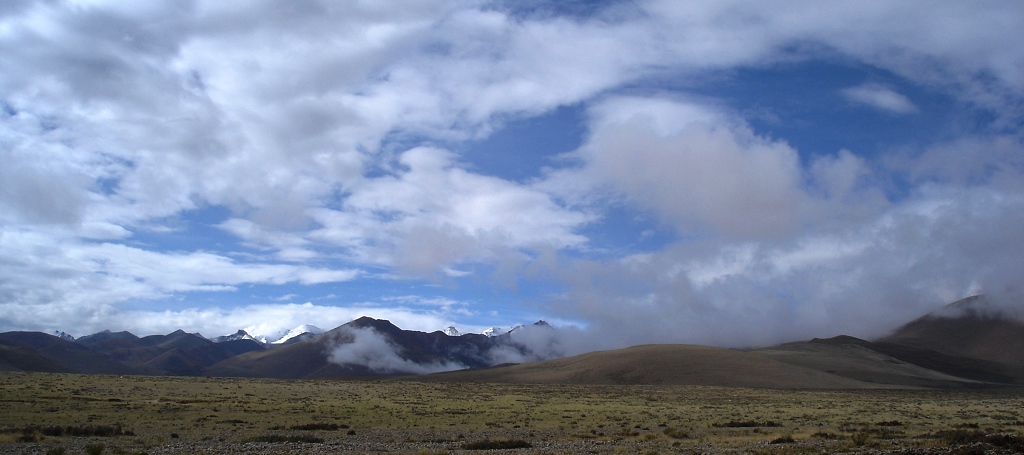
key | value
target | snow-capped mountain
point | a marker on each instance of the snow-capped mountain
(299, 331)
(451, 331)
(495, 331)
(498, 331)
(62, 335)
(239, 335)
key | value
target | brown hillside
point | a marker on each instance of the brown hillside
(293, 361)
(660, 365)
(971, 327)
(870, 362)
(16, 356)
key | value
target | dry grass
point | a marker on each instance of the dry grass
(441, 417)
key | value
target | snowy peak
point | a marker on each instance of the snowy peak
(498, 331)
(239, 335)
(300, 332)
(451, 331)
(62, 335)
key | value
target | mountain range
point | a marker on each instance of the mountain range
(966, 344)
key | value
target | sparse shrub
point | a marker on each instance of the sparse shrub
(278, 438)
(860, 438)
(59, 450)
(744, 424)
(30, 435)
(890, 423)
(782, 440)
(28, 438)
(964, 437)
(79, 430)
(675, 433)
(319, 426)
(95, 449)
(488, 444)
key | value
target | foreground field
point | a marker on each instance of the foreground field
(52, 413)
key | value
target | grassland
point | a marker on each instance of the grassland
(57, 413)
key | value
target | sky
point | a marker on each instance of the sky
(732, 173)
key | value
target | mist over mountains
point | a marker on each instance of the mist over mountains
(971, 343)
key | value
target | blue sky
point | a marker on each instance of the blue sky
(733, 173)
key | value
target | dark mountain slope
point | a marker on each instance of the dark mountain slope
(887, 363)
(108, 341)
(70, 355)
(973, 328)
(141, 351)
(311, 358)
(435, 347)
(301, 360)
(18, 356)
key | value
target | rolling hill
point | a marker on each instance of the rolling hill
(892, 364)
(672, 364)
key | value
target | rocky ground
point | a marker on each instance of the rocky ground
(424, 442)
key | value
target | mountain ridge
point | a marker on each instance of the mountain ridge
(918, 354)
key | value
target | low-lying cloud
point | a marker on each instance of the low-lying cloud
(373, 350)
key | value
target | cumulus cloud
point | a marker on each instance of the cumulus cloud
(693, 167)
(433, 215)
(330, 134)
(366, 347)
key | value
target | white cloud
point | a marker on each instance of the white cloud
(45, 274)
(865, 280)
(367, 347)
(259, 319)
(305, 120)
(697, 169)
(433, 215)
(880, 97)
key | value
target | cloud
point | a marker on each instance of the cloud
(433, 215)
(880, 97)
(331, 134)
(864, 280)
(366, 347)
(264, 319)
(83, 282)
(964, 162)
(771, 248)
(695, 168)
